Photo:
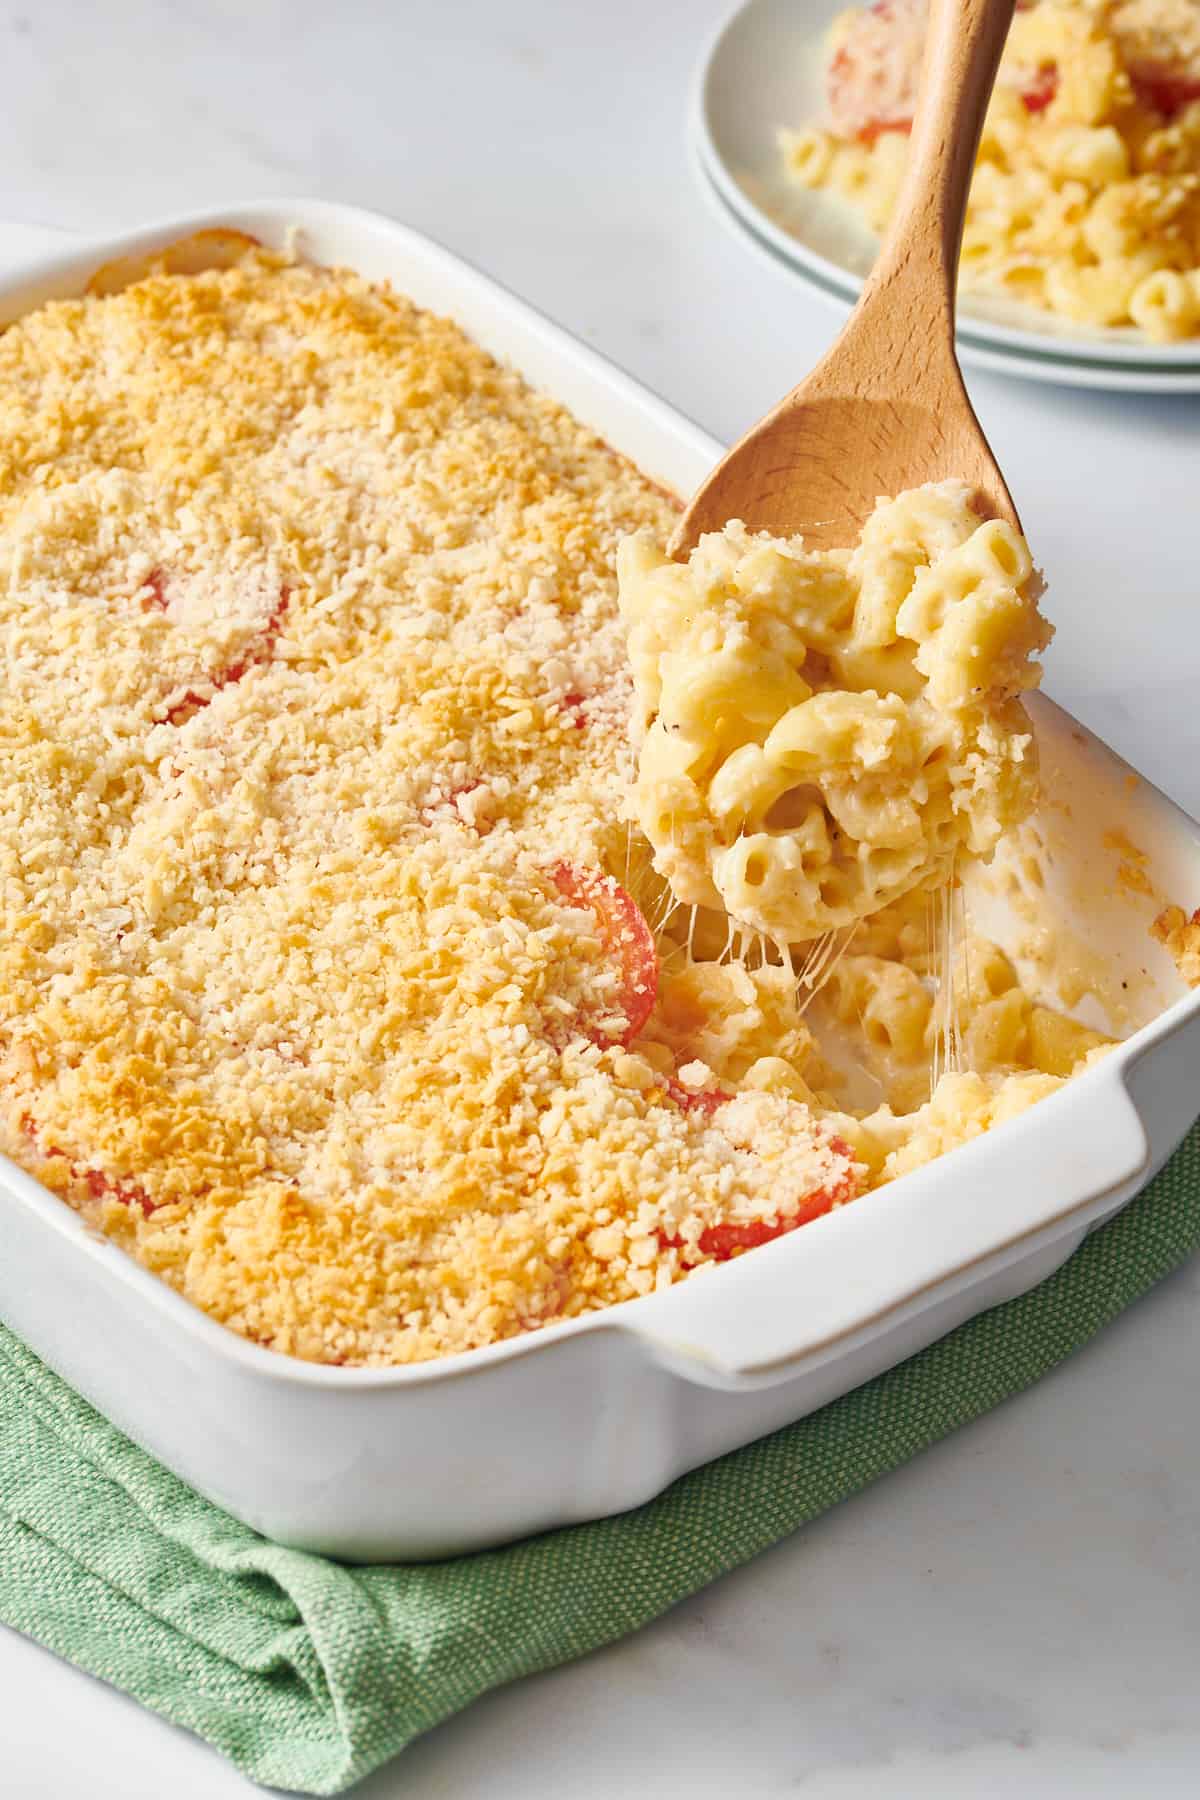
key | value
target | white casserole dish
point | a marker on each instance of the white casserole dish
(600, 1413)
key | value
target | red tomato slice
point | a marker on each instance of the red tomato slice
(1165, 89)
(722, 1242)
(98, 1186)
(869, 134)
(706, 1101)
(871, 81)
(259, 652)
(1040, 91)
(627, 938)
(840, 81)
(127, 1192)
(574, 708)
(157, 601)
(448, 805)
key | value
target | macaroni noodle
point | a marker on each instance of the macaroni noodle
(825, 731)
(1086, 196)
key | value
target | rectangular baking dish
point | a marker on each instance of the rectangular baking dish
(600, 1413)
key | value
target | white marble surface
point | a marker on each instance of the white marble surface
(1022, 1605)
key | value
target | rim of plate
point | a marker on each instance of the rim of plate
(993, 359)
(1107, 352)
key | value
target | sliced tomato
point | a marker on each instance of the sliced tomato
(706, 1101)
(259, 652)
(1163, 88)
(722, 1242)
(870, 134)
(1040, 90)
(156, 601)
(127, 1192)
(449, 804)
(627, 938)
(573, 708)
(841, 79)
(98, 1186)
(871, 81)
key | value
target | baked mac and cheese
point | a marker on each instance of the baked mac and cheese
(1086, 195)
(335, 986)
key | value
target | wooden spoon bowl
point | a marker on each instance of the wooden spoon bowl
(886, 408)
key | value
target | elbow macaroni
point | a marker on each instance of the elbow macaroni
(947, 1040)
(1086, 196)
(332, 986)
(825, 731)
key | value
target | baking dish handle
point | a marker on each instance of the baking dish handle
(918, 1251)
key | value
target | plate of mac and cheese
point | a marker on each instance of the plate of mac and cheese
(430, 913)
(1081, 248)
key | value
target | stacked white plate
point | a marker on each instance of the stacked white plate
(763, 71)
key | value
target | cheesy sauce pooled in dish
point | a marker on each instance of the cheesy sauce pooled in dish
(336, 982)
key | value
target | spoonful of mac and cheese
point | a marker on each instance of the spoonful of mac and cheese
(825, 730)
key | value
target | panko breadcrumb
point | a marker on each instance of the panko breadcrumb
(336, 984)
(316, 993)
(1181, 936)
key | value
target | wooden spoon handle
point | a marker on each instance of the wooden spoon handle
(885, 409)
(962, 53)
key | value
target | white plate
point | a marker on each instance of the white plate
(601, 1412)
(763, 71)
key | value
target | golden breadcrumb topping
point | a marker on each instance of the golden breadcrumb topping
(1181, 936)
(317, 992)
(336, 983)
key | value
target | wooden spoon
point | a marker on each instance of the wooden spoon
(886, 408)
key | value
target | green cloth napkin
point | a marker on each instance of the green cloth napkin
(307, 1674)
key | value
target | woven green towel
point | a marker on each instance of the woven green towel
(308, 1675)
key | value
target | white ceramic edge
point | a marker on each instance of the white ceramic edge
(1113, 361)
(20, 242)
(599, 1413)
